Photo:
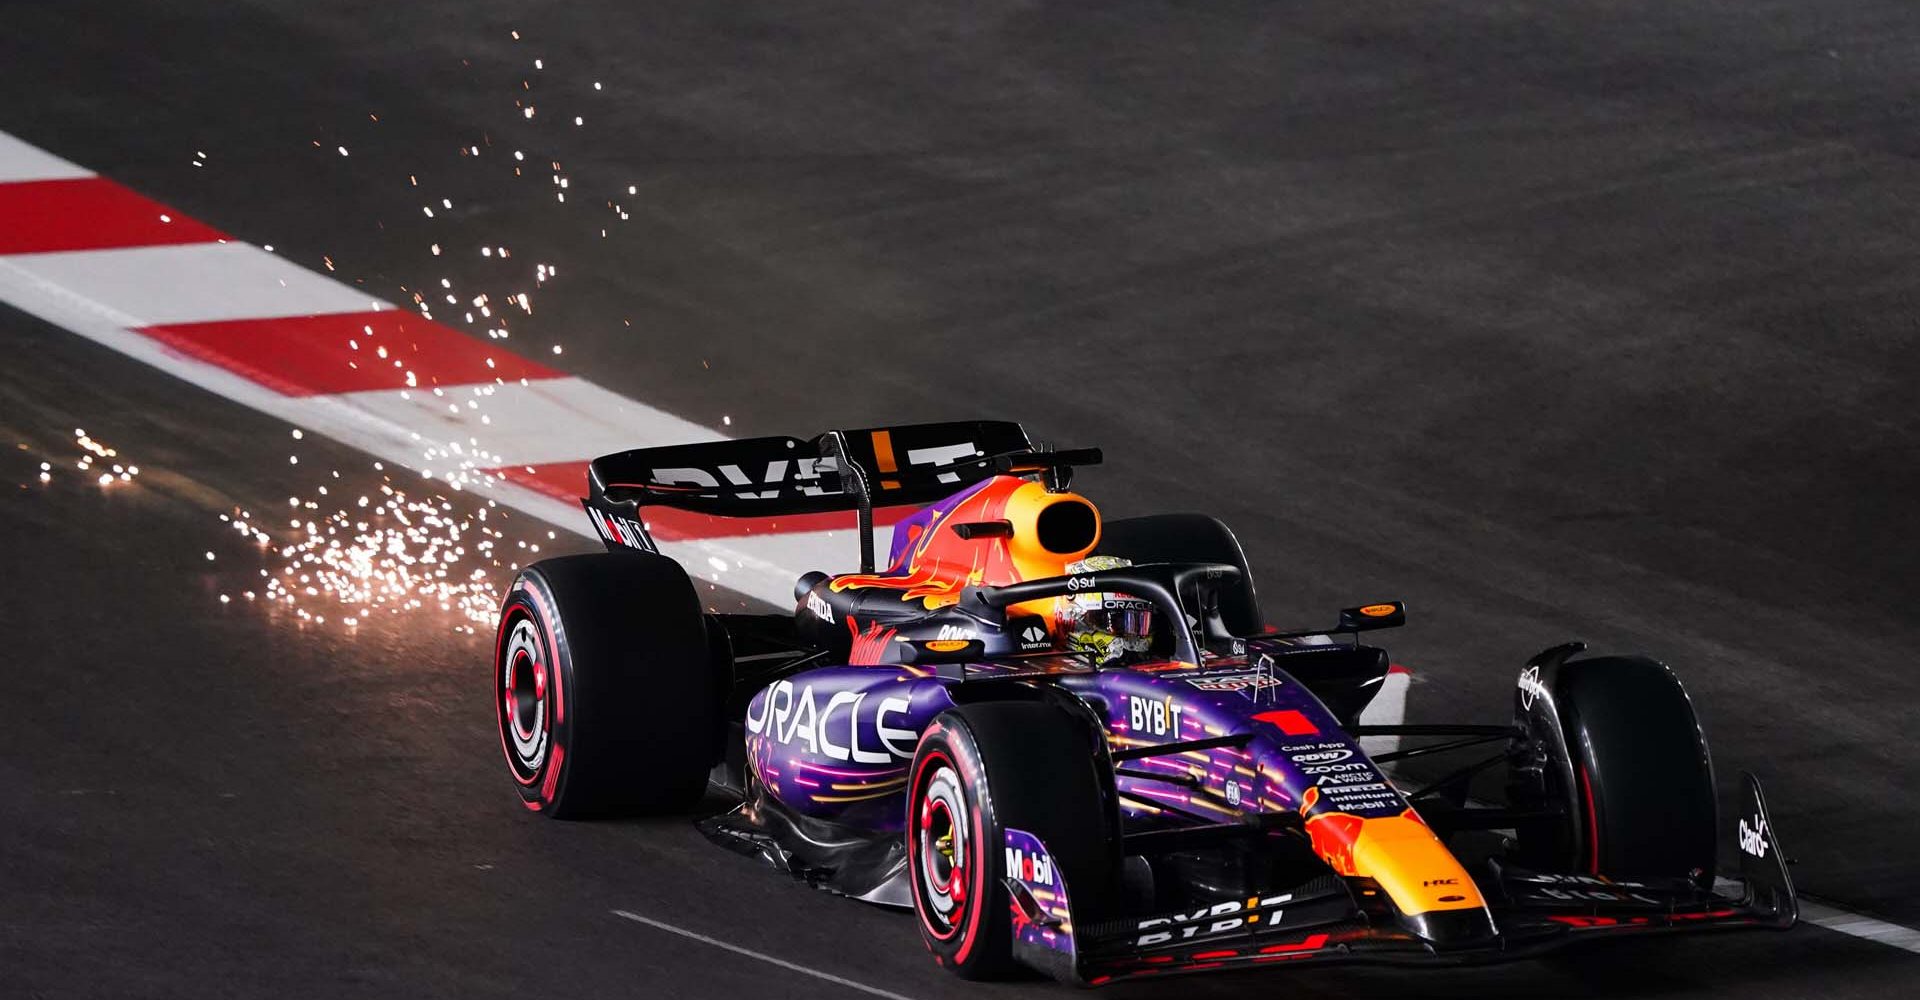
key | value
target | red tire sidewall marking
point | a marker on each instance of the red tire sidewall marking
(533, 604)
(1593, 821)
(509, 616)
(972, 787)
(502, 712)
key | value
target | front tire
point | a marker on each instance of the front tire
(979, 770)
(604, 693)
(1625, 760)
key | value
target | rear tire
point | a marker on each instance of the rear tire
(1630, 766)
(605, 695)
(979, 770)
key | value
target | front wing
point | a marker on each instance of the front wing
(1334, 919)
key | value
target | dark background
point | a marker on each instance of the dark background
(1552, 320)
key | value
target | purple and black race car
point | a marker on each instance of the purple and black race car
(1075, 746)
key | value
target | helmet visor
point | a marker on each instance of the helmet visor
(1120, 616)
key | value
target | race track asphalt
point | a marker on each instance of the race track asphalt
(1552, 320)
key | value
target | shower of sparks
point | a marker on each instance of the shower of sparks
(388, 554)
(92, 452)
(352, 557)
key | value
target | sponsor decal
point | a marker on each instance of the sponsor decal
(1339, 767)
(1546, 879)
(869, 646)
(945, 645)
(1235, 682)
(1034, 637)
(788, 715)
(1030, 866)
(1348, 778)
(802, 472)
(1208, 921)
(1232, 794)
(620, 530)
(1595, 896)
(1368, 806)
(1156, 717)
(1377, 610)
(1361, 804)
(1753, 839)
(1355, 792)
(1327, 756)
(1440, 881)
(1289, 721)
(1079, 583)
(956, 632)
(818, 605)
(1530, 686)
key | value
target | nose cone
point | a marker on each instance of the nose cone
(1433, 895)
(1447, 929)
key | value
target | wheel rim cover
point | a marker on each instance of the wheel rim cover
(942, 850)
(523, 709)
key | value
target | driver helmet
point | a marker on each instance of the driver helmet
(1105, 626)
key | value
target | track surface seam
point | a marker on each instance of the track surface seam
(759, 956)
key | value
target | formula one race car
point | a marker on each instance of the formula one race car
(1075, 746)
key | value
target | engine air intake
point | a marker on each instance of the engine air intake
(1066, 527)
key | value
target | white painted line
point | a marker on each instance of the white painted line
(760, 566)
(769, 959)
(1388, 708)
(1844, 921)
(1858, 925)
(21, 162)
(189, 283)
(104, 295)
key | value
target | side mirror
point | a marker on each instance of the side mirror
(1367, 617)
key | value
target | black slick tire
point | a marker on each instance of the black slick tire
(604, 694)
(1631, 771)
(979, 770)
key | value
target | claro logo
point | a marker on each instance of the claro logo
(789, 716)
(1753, 839)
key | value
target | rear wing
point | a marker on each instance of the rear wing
(849, 470)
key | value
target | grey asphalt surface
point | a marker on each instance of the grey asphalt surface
(1552, 320)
